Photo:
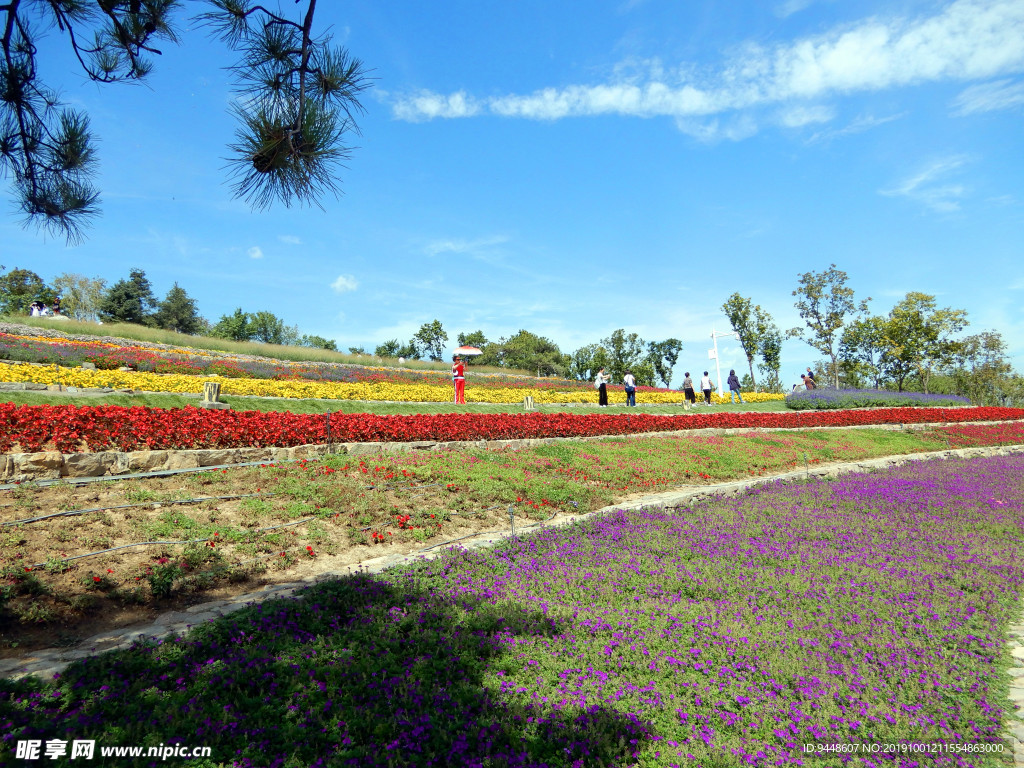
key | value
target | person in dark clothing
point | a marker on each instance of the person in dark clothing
(689, 395)
(734, 387)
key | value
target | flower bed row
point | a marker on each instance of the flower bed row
(829, 397)
(433, 391)
(98, 428)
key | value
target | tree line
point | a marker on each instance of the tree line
(916, 346)
(131, 300)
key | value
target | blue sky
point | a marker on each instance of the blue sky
(576, 168)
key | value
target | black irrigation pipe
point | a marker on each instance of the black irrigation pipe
(142, 475)
(151, 543)
(75, 512)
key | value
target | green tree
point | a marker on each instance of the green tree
(525, 351)
(472, 339)
(268, 328)
(626, 352)
(356, 351)
(825, 302)
(236, 326)
(295, 101)
(980, 369)
(177, 312)
(751, 324)
(587, 361)
(663, 356)
(80, 296)
(318, 342)
(19, 288)
(862, 348)
(410, 350)
(129, 301)
(389, 348)
(771, 356)
(918, 338)
(429, 340)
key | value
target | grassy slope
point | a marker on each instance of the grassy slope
(210, 344)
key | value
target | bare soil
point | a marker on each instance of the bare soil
(65, 578)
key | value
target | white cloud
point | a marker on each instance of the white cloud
(712, 131)
(799, 116)
(290, 239)
(471, 247)
(344, 283)
(988, 97)
(427, 105)
(255, 252)
(790, 7)
(859, 124)
(967, 40)
(927, 186)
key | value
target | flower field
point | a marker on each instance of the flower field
(829, 397)
(868, 609)
(97, 428)
(337, 383)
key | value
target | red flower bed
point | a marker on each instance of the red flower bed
(110, 427)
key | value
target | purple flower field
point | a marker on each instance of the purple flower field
(868, 609)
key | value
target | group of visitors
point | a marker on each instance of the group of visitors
(707, 388)
(603, 379)
(39, 309)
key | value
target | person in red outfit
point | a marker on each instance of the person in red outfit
(459, 377)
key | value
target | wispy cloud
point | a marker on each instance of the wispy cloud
(967, 40)
(859, 124)
(799, 116)
(790, 7)
(344, 283)
(929, 188)
(989, 97)
(471, 247)
(290, 239)
(255, 252)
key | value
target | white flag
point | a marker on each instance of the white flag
(712, 354)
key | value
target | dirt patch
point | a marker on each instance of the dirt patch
(80, 559)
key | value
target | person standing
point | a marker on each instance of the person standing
(629, 384)
(705, 384)
(734, 387)
(810, 375)
(601, 385)
(689, 397)
(459, 380)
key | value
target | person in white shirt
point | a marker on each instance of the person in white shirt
(601, 382)
(705, 384)
(629, 384)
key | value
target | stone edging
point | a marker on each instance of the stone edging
(50, 661)
(53, 465)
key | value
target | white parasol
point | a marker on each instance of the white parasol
(466, 351)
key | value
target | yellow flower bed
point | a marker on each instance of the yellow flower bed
(327, 390)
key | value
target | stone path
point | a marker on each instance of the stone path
(48, 662)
